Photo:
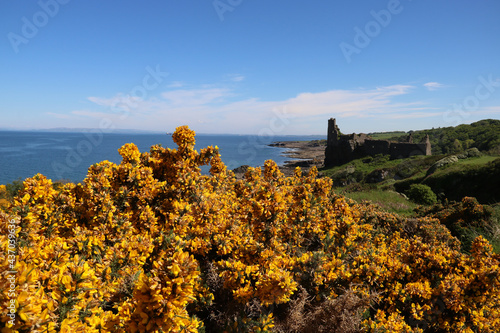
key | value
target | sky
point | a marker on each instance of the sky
(248, 67)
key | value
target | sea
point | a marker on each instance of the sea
(67, 155)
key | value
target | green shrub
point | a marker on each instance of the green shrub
(12, 189)
(421, 194)
(466, 220)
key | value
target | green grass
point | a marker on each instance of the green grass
(474, 176)
(363, 165)
(464, 164)
(478, 160)
(389, 201)
(357, 170)
(386, 135)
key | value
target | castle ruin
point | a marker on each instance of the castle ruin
(341, 148)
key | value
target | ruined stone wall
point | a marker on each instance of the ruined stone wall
(374, 147)
(404, 150)
(341, 149)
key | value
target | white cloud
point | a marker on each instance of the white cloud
(176, 84)
(216, 110)
(196, 96)
(414, 115)
(122, 104)
(431, 86)
(361, 102)
(488, 110)
(117, 101)
(90, 114)
(236, 77)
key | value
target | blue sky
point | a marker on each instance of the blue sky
(241, 66)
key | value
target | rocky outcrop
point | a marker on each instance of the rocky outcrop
(472, 152)
(377, 176)
(442, 163)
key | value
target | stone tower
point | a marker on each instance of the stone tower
(332, 143)
(333, 132)
(428, 147)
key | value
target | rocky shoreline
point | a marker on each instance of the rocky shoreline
(303, 154)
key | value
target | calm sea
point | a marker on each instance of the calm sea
(68, 155)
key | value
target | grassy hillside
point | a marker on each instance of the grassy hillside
(476, 176)
(386, 200)
(365, 170)
(483, 135)
(451, 181)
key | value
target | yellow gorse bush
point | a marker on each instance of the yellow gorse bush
(3, 194)
(153, 245)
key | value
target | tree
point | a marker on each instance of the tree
(457, 146)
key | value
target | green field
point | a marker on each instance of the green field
(390, 201)
(387, 135)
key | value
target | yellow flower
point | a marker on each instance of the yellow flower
(152, 244)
